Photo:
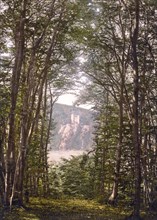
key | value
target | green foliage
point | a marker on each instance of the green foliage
(73, 178)
(54, 35)
(55, 178)
(40, 208)
(76, 178)
(110, 69)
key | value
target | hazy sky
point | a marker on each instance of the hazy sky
(56, 156)
(67, 99)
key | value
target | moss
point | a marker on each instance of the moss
(41, 208)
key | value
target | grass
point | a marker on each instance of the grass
(45, 209)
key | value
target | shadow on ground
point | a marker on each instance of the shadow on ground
(64, 216)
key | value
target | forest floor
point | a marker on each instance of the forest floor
(67, 209)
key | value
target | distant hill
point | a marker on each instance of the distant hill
(73, 128)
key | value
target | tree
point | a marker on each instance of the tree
(134, 41)
(122, 62)
(38, 33)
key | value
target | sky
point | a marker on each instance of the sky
(69, 99)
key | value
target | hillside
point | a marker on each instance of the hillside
(73, 128)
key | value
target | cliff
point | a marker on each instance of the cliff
(73, 128)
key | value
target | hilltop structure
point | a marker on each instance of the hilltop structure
(73, 128)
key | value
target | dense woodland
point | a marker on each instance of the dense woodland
(45, 47)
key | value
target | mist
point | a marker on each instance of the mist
(57, 155)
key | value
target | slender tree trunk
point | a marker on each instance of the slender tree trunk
(136, 138)
(2, 181)
(19, 54)
(46, 176)
(147, 199)
(104, 148)
(43, 139)
(114, 194)
(102, 174)
(26, 119)
(122, 62)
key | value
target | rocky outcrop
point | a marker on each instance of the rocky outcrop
(73, 128)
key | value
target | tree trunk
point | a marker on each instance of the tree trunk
(19, 55)
(136, 138)
(2, 181)
(114, 194)
(122, 71)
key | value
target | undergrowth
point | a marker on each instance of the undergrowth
(45, 209)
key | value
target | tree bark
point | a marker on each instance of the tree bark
(114, 194)
(136, 138)
(19, 55)
(122, 71)
(2, 181)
